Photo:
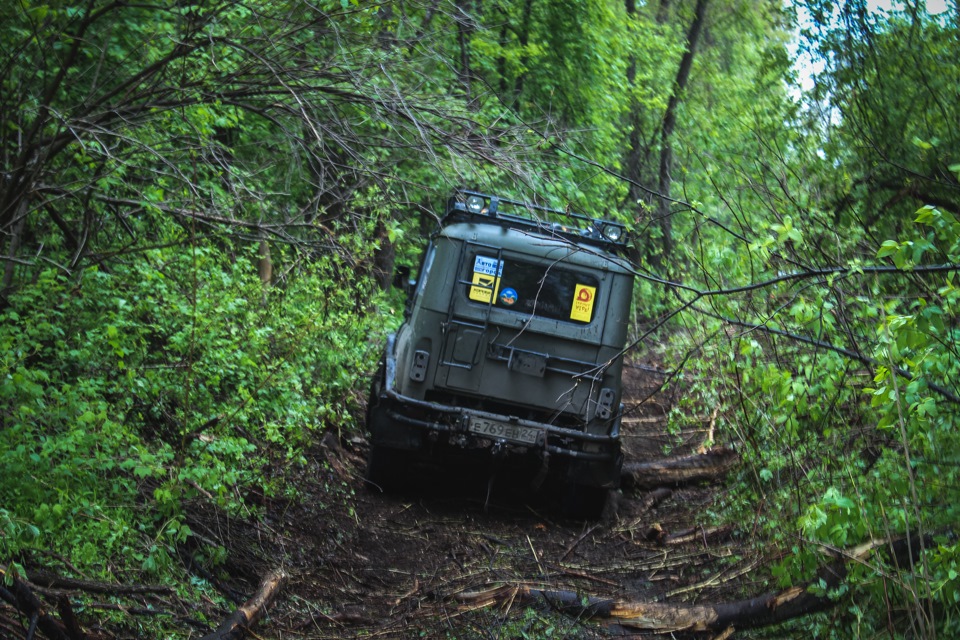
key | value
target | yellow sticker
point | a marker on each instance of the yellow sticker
(583, 297)
(485, 287)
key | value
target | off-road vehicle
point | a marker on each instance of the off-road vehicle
(511, 347)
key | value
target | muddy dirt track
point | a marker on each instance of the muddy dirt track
(453, 557)
(365, 564)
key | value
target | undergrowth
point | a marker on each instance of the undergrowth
(125, 392)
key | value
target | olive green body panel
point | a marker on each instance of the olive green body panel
(535, 364)
(512, 345)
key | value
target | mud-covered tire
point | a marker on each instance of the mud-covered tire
(581, 502)
(387, 469)
(373, 398)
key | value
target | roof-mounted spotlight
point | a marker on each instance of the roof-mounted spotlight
(612, 232)
(475, 204)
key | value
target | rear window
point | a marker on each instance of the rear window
(546, 291)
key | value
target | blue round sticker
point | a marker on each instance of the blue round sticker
(508, 297)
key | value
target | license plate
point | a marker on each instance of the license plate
(503, 431)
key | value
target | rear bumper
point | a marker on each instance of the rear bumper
(402, 422)
(453, 421)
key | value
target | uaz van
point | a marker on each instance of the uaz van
(512, 347)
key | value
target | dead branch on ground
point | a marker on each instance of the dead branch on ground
(250, 612)
(698, 534)
(661, 617)
(19, 594)
(52, 581)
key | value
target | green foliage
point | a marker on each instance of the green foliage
(820, 313)
(127, 393)
(152, 155)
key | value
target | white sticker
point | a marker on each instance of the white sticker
(488, 266)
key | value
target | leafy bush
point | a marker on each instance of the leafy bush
(127, 391)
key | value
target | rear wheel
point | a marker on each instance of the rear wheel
(373, 399)
(387, 468)
(382, 462)
(582, 502)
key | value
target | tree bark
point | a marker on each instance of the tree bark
(16, 230)
(661, 617)
(711, 465)
(665, 180)
(52, 581)
(264, 263)
(637, 152)
(464, 30)
(663, 10)
(384, 257)
(523, 38)
(250, 612)
(22, 597)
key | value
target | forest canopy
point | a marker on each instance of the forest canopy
(202, 206)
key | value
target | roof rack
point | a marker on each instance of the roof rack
(575, 227)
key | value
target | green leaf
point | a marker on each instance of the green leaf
(889, 247)
(925, 214)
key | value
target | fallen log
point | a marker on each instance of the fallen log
(70, 622)
(712, 465)
(660, 617)
(53, 581)
(619, 506)
(654, 498)
(19, 594)
(250, 612)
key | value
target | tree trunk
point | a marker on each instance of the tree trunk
(264, 264)
(13, 248)
(663, 11)
(664, 182)
(464, 30)
(523, 38)
(636, 151)
(384, 257)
